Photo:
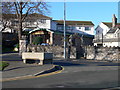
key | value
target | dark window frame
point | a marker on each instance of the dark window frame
(87, 28)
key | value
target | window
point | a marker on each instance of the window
(98, 32)
(69, 27)
(59, 27)
(115, 35)
(42, 20)
(87, 28)
(80, 28)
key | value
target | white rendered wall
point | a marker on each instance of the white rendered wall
(105, 29)
(77, 29)
(108, 36)
(7, 30)
(111, 44)
(46, 25)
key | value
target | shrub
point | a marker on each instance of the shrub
(37, 40)
(25, 32)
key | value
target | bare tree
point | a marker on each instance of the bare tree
(22, 10)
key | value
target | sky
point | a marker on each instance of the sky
(84, 11)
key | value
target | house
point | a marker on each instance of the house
(83, 27)
(10, 22)
(34, 21)
(51, 31)
(108, 34)
(6, 23)
(55, 35)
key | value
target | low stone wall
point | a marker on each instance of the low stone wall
(88, 52)
(58, 51)
(102, 53)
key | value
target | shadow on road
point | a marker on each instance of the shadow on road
(18, 68)
(113, 64)
(68, 64)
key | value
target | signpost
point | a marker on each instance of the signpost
(64, 30)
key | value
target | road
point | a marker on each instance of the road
(82, 74)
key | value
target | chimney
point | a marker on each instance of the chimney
(114, 21)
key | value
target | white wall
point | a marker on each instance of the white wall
(99, 30)
(38, 23)
(46, 25)
(111, 35)
(8, 30)
(111, 44)
(91, 31)
(77, 29)
(102, 28)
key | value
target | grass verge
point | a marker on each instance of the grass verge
(3, 65)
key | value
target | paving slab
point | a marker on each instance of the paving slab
(17, 68)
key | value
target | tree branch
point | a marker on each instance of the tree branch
(16, 9)
(24, 5)
(29, 10)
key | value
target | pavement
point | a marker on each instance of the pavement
(17, 68)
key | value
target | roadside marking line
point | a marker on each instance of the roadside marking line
(16, 78)
(31, 76)
(45, 70)
(56, 72)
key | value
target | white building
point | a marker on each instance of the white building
(112, 38)
(31, 22)
(37, 21)
(107, 34)
(34, 21)
(82, 27)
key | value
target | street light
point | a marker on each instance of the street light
(64, 30)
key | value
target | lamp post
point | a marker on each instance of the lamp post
(64, 30)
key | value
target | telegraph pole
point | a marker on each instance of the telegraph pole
(64, 30)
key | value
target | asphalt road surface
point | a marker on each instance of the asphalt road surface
(75, 75)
